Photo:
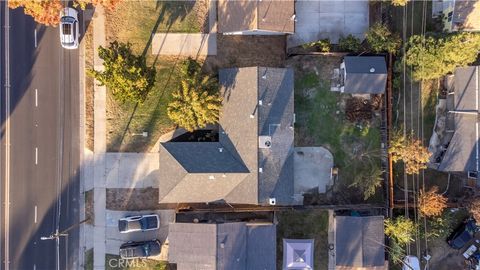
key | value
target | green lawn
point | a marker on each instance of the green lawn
(321, 121)
(307, 224)
(89, 259)
(134, 22)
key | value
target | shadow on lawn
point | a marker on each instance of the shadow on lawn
(169, 12)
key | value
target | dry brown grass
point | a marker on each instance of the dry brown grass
(89, 93)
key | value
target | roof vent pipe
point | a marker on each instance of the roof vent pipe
(372, 70)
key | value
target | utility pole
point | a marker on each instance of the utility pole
(58, 234)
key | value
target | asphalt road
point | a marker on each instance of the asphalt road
(44, 147)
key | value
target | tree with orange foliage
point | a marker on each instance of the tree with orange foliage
(474, 208)
(411, 151)
(431, 203)
(47, 12)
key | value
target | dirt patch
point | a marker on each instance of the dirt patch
(132, 199)
(444, 257)
(247, 51)
(89, 209)
(89, 92)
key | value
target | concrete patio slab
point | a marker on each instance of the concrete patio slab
(184, 44)
(328, 19)
(312, 169)
(131, 170)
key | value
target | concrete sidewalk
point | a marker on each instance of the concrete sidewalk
(100, 146)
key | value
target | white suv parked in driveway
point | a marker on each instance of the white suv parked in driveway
(139, 223)
(69, 28)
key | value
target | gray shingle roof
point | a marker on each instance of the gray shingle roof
(229, 246)
(365, 74)
(248, 15)
(461, 154)
(214, 157)
(359, 241)
(199, 172)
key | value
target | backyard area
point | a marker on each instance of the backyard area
(324, 118)
(307, 224)
(135, 22)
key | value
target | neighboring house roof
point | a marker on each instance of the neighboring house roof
(250, 15)
(298, 254)
(462, 151)
(359, 242)
(466, 15)
(257, 104)
(229, 246)
(365, 74)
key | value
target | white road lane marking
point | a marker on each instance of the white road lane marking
(36, 97)
(35, 34)
(36, 155)
(35, 214)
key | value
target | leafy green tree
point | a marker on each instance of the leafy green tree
(381, 39)
(400, 230)
(396, 252)
(368, 180)
(349, 43)
(433, 57)
(440, 226)
(193, 106)
(125, 74)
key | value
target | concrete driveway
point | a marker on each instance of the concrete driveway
(328, 19)
(114, 238)
(312, 169)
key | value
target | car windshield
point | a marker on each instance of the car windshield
(67, 19)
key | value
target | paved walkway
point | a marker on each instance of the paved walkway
(100, 146)
(189, 44)
(132, 170)
(184, 44)
(331, 240)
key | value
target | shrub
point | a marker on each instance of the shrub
(349, 43)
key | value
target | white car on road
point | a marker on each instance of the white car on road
(139, 223)
(69, 28)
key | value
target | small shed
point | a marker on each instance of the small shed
(363, 75)
(298, 254)
(359, 243)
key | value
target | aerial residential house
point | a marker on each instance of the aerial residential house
(359, 243)
(458, 15)
(252, 161)
(298, 254)
(458, 150)
(226, 246)
(256, 17)
(360, 75)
